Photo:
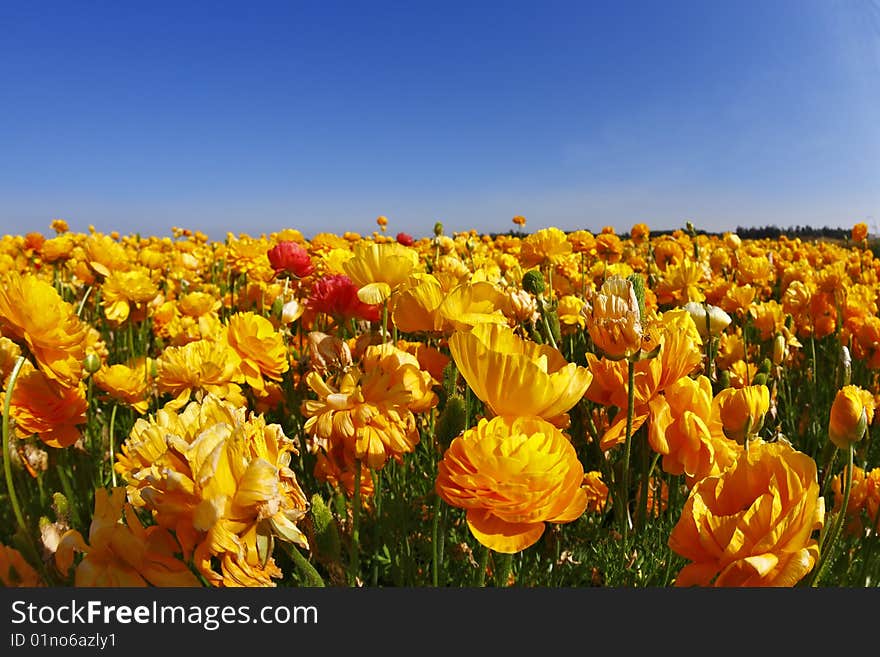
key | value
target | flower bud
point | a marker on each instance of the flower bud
(452, 420)
(438, 229)
(292, 311)
(327, 543)
(742, 411)
(709, 319)
(851, 413)
(91, 363)
(779, 349)
(533, 282)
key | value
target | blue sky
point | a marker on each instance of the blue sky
(250, 117)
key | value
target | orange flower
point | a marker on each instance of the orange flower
(753, 524)
(859, 232)
(851, 413)
(685, 432)
(122, 553)
(742, 411)
(512, 475)
(126, 384)
(33, 314)
(15, 571)
(41, 407)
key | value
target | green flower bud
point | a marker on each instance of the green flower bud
(91, 363)
(327, 543)
(61, 507)
(438, 229)
(766, 366)
(452, 420)
(533, 282)
(639, 288)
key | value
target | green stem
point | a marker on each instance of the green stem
(435, 547)
(113, 446)
(377, 525)
(627, 448)
(354, 565)
(306, 569)
(7, 460)
(503, 563)
(838, 522)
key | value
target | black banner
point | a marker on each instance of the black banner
(166, 622)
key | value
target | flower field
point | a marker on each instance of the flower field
(532, 409)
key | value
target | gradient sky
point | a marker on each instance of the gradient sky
(250, 117)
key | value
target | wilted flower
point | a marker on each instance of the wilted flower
(614, 318)
(219, 477)
(512, 475)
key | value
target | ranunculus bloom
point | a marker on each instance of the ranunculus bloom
(742, 411)
(379, 269)
(260, 348)
(33, 314)
(614, 319)
(122, 553)
(336, 295)
(41, 407)
(512, 475)
(859, 231)
(753, 524)
(851, 413)
(515, 376)
(405, 239)
(290, 257)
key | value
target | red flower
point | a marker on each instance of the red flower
(405, 239)
(337, 295)
(290, 257)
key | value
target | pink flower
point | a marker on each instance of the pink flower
(290, 257)
(337, 295)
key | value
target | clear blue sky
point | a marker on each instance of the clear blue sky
(256, 116)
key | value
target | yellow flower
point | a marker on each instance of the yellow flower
(260, 348)
(548, 245)
(199, 367)
(742, 411)
(379, 269)
(512, 475)
(125, 293)
(851, 413)
(33, 314)
(126, 384)
(122, 553)
(614, 319)
(220, 479)
(752, 524)
(569, 311)
(370, 411)
(515, 376)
